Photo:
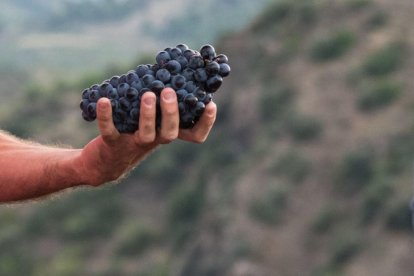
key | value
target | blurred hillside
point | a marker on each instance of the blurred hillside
(308, 170)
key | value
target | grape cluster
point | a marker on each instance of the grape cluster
(194, 76)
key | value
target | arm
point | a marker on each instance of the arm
(30, 170)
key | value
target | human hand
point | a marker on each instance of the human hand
(112, 154)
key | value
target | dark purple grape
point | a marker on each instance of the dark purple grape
(163, 75)
(200, 75)
(113, 94)
(212, 68)
(186, 120)
(114, 81)
(157, 86)
(190, 86)
(91, 110)
(208, 98)
(141, 70)
(137, 85)
(183, 61)
(162, 58)
(188, 74)
(195, 62)
(131, 77)
(147, 79)
(85, 93)
(124, 104)
(190, 100)
(134, 113)
(221, 59)
(181, 107)
(175, 53)
(213, 83)
(173, 66)
(86, 117)
(178, 82)
(208, 52)
(122, 89)
(104, 89)
(198, 109)
(182, 47)
(200, 94)
(188, 54)
(94, 96)
(224, 70)
(131, 94)
(84, 104)
(181, 93)
(114, 105)
(122, 79)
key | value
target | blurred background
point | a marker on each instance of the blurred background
(308, 171)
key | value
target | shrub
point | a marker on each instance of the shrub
(185, 205)
(400, 218)
(269, 208)
(292, 165)
(355, 172)
(275, 101)
(374, 199)
(324, 220)
(355, 5)
(377, 20)
(385, 60)
(343, 248)
(379, 94)
(334, 46)
(136, 239)
(274, 14)
(303, 128)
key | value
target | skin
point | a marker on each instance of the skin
(31, 170)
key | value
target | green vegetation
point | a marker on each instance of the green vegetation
(136, 238)
(355, 5)
(325, 220)
(399, 217)
(275, 101)
(269, 207)
(375, 199)
(377, 20)
(343, 247)
(356, 171)
(379, 94)
(385, 60)
(334, 46)
(303, 128)
(292, 165)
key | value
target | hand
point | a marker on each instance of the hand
(112, 154)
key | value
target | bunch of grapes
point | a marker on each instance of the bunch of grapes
(194, 76)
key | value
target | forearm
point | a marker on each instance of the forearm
(30, 171)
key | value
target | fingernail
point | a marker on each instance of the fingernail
(149, 101)
(168, 95)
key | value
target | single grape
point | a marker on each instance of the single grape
(221, 59)
(182, 47)
(173, 66)
(208, 52)
(131, 94)
(214, 83)
(122, 89)
(200, 75)
(157, 86)
(141, 70)
(162, 58)
(178, 82)
(224, 70)
(212, 68)
(163, 75)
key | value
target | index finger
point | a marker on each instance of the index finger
(105, 123)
